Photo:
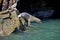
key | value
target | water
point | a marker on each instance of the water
(47, 30)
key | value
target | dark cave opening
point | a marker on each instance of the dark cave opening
(34, 6)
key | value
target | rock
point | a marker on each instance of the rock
(4, 12)
(0, 1)
(8, 25)
(5, 15)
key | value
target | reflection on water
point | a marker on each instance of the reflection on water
(47, 30)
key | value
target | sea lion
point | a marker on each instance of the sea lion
(28, 18)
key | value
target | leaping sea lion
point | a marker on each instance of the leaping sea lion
(28, 18)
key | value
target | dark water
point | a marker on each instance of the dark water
(47, 30)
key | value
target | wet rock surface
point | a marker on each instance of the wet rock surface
(8, 23)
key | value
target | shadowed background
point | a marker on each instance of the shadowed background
(34, 6)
